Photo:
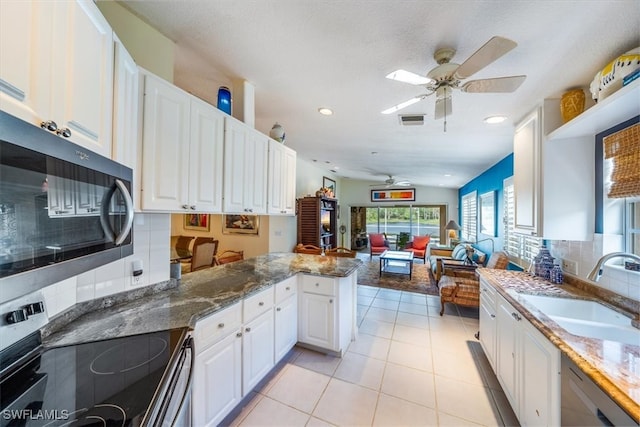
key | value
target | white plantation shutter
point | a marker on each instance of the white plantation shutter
(520, 248)
(469, 216)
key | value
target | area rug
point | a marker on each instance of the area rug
(422, 280)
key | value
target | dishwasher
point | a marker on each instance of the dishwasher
(584, 403)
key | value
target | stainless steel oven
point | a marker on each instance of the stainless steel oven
(63, 209)
(140, 380)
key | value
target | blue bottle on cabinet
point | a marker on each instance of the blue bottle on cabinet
(224, 99)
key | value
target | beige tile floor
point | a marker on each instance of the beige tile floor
(409, 367)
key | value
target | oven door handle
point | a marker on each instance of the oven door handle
(104, 212)
(187, 390)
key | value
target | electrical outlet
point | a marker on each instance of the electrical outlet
(136, 280)
(569, 266)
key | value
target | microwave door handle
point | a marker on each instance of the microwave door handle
(104, 212)
(129, 205)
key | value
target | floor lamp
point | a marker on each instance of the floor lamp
(452, 228)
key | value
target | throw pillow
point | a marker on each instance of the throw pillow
(421, 242)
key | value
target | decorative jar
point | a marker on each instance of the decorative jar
(572, 104)
(277, 133)
(224, 99)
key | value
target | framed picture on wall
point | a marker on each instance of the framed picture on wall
(488, 213)
(329, 184)
(198, 222)
(240, 224)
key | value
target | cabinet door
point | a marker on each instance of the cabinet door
(286, 326)
(488, 329)
(540, 379)
(235, 147)
(282, 179)
(317, 318)
(255, 172)
(506, 354)
(83, 74)
(17, 23)
(526, 175)
(257, 350)
(165, 158)
(217, 381)
(125, 109)
(276, 178)
(205, 157)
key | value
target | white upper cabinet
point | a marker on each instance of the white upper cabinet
(57, 66)
(125, 107)
(182, 150)
(282, 179)
(245, 169)
(526, 177)
(554, 166)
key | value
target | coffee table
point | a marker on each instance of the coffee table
(396, 262)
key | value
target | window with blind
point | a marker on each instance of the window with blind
(520, 248)
(469, 216)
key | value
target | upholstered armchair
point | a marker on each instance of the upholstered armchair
(419, 247)
(463, 288)
(378, 243)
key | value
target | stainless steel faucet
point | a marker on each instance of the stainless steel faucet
(596, 273)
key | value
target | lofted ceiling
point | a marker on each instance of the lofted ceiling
(304, 54)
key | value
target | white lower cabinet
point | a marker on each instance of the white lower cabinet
(257, 350)
(217, 376)
(326, 312)
(526, 363)
(286, 316)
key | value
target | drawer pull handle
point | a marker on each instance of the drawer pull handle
(239, 334)
(220, 325)
(493, 316)
(331, 301)
(317, 284)
(278, 309)
(247, 329)
(288, 288)
(260, 303)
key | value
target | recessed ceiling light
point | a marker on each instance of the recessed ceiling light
(447, 174)
(492, 120)
(325, 111)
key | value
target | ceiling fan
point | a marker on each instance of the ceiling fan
(447, 76)
(391, 182)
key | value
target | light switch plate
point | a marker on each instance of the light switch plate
(569, 266)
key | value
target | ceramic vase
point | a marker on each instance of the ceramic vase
(277, 132)
(572, 104)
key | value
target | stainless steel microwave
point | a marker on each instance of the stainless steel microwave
(63, 209)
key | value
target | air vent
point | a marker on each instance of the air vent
(411, 119)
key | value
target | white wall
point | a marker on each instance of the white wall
(586, 254)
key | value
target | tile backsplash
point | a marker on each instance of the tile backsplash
(615, 278)
(150, 245)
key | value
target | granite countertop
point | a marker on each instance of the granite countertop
(614, 366)
(196, 296)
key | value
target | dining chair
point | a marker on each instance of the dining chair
(307, 249)
(229, 256)
(204, 251)
(182, 247)
(340, 252)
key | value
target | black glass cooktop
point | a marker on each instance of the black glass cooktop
(102, 383)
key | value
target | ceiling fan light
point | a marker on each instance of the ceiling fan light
(408, 77)
(325, 111)
(492, 120)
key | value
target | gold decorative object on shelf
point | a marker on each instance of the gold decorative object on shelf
(571, 104)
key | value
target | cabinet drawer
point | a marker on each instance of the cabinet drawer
(215, 327)
(319, 285)
(286, 288)
(258, 304)
(487, 291)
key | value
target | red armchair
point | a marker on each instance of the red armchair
(419, 247)
(378, 243)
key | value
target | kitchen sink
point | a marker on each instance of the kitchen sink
(586, 318)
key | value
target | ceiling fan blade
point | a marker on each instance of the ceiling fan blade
(404, 104)
(408, 77)
(497, 85)
(402, 183)
(443, 107)
(492, 50)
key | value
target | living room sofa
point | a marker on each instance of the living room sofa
(459, 252)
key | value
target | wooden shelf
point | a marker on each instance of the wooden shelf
(311, 229)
